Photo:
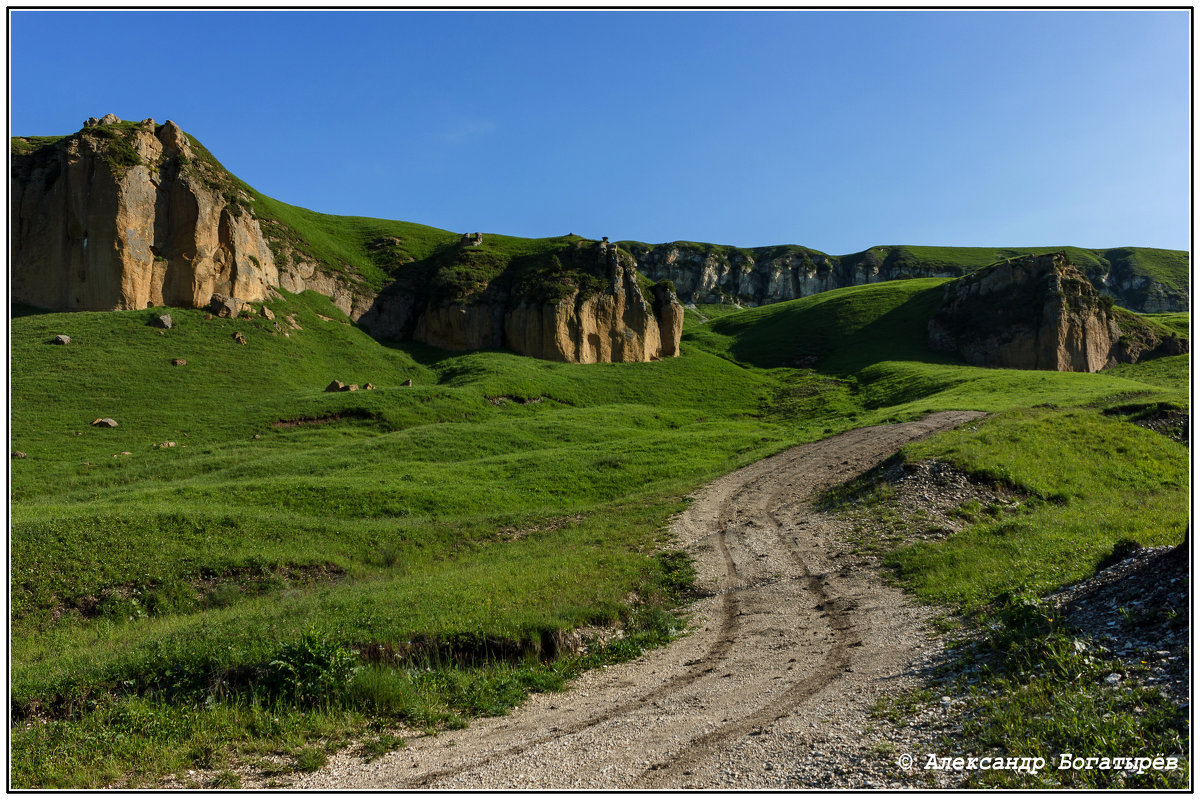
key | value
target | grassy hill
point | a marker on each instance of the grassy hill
(426, 546)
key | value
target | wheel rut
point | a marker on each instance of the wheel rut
(725, 639)
(778, 627)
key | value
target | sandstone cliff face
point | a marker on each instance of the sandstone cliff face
(615, 325)
(1040, 312)
(116, 217)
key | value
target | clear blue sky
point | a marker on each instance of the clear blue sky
(833, 129)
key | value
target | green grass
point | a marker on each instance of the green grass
(1094, 481)
(1039, 691)
(1176, 321)
(447, 517)
(838, 330)
(450, 532)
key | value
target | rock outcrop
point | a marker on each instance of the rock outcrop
(616, 324)
(125, 215)
(1041, 312)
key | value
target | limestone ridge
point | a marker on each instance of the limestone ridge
(1041, 312)
(120, 216)
(704, 273)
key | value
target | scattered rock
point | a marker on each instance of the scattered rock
(237, 337)
(226, 307)
(352, 387)
(166, 444)
(336, 386)
(207, 317)
(62, 339)
(258, 436)
(105, 422)
(408, 382)
(291, 321)
(369, 387)
(178, 362)
(17, 454)
(268, 313)
(1137, 611)
(107, 119)
(471, 240)
(163, 321)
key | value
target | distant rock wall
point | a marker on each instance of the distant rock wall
(749, 277)
(1040, 312)
(112, 219)
(758, 276)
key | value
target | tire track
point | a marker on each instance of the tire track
(717, 652)
(841, 623)
(751, 509)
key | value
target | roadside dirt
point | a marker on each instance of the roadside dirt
(794, 641)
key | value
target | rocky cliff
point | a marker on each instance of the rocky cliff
(1141, 279)
(1041, 312)
(120, 216)
(577, 323)
(128, 215)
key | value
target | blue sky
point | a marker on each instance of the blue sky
(838, 130)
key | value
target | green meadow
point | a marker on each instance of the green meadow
(302, 568)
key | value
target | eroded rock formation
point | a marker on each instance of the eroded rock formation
(616, 324)
(120, 216)
(1041, 312)
(124, 215)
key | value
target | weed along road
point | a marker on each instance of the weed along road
(788, 636)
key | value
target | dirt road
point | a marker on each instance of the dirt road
(794, 640)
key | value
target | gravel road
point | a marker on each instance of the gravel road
(794, 639)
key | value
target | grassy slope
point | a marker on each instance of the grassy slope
(447, 511)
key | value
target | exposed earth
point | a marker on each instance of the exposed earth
(795, 639)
